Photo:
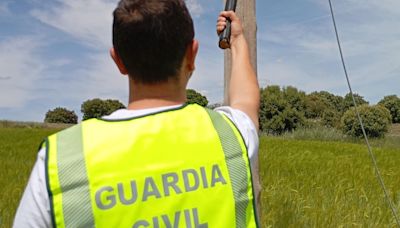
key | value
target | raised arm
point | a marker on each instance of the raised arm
(244, 92)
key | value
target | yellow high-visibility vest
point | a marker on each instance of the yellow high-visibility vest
(186, 167)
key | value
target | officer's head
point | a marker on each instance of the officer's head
(153, 40)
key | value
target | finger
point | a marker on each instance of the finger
(229, 14)
(221, 19)
(220, 29)
(222, 23)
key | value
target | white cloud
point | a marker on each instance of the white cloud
(20, 71)
(102, 79)
(194, 7)
(373, 6)
(209, 76)
(302, 38)
(392, 6)
(369, 34)
(89, 21)
(292, 74)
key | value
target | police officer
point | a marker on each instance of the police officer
(160, 162)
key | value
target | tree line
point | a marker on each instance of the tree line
(282, 109)
(96, 108)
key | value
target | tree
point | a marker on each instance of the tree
(376, 120)
(61, 115)
(97, 108)
(348, 101)
(331, 118)
(295, 98)
(392, 103)
(330, 100)
(318, 102)
(194, 97)
(315, 106)
(114, 105)
(277, 114)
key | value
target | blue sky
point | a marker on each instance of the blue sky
(55, 52)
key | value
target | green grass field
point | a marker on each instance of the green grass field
(18, 149)
(326, 184)
(306, 183)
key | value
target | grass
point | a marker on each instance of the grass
(320, 133)
(395, 130)
(18, 149)
(34, 125)
(310, 178)
(325, 184)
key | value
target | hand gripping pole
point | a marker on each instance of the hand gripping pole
(225, 36)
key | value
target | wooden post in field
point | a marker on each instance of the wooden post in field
(246, 10)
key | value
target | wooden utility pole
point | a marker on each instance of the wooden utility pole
(246, 10)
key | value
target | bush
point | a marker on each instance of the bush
(61, 115)
(295, 98)
(392, 103)
(331, 118)
(277, 115)
(97, 108)
(315, 106)
(376, 121)
(332, 101)
(114, 105)
(348, 101)
(194, 97)
(318, 102)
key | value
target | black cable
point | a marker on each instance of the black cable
(378, 173)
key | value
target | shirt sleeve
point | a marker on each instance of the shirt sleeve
(250, 137)
(246, 128)
(34, 208)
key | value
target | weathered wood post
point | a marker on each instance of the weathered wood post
(246, 10)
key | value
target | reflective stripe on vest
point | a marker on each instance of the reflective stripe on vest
(180, 168)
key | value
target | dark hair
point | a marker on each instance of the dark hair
(151, 37)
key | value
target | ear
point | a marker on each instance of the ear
(118, 61)
(191, 54)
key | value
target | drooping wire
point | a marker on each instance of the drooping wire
(377, 172)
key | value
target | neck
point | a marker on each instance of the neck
(158, 95)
